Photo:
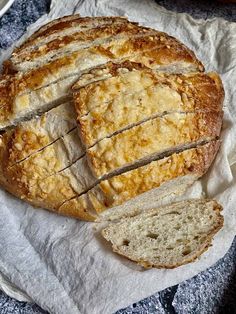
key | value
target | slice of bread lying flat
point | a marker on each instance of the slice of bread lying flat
(169, 236)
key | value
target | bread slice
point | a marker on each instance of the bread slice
(163, 194)
(119, 189)
(31, 136)
(116, 96)
(75, 189)
(169, 236)
(152, 139)
(42, 88)
(54, 25)
(37, 181)
(50, 193)
(160, 40)
(61, 28)
(136, 147)
(46, 162)
(24, 106)
(78, 40)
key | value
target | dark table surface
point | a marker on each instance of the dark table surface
(212, 291)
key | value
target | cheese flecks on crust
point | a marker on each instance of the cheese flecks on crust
(23, 93)
(61, 29)
(79, 40)
(146, 45)
(121, 188)
(46, 162)
(157, 40)
(152, 137)
(115, 96)
(31, 136)
(34, 184)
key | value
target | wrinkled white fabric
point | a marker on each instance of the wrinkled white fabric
(63, 264)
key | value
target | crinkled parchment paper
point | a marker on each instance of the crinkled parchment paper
(63, 264)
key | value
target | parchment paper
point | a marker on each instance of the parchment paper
(63, 264)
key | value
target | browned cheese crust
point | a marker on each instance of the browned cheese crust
(116, 48)
(121, 188)
(63, 24)
(155, 50)
(153, 137)
(49, 193)
(101, 32)
(108, 97)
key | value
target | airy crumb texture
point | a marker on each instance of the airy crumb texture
(169, 236)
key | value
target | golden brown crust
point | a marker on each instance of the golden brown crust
(121, 188)
(31, 171)
(114, 96)
(55, 190)
(54, 25)
(194, 161)
(102, 32)
(49, 193)
(155, 136)
(140, 45)
(78, 208)
(159, 49)
(28, 137)
(43, 170)
(102, 72)
(43, 196)
(6, 97)
(62, 24)
(205, 89)
(20, 143)
(166, 47)
(154, 51)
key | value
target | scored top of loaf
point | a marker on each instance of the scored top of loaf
(113, 97)
(101, 55)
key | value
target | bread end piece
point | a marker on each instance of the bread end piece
(169, 236)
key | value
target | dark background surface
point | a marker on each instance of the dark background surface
(212, 291)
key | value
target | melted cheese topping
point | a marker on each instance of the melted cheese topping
(152, 137)
(123, 187)
(108, 105)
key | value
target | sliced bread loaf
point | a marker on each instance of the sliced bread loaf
(132, 149)
(60, 47)
(169, 236)
(119, 189)
(39, 87)
(153, 139)
(59, 29)
(31, 136)
(75, 190)
(116, 96)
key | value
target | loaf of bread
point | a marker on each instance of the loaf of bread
(100, 119)
(99, 115)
